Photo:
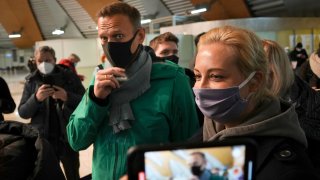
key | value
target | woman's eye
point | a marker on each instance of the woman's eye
(215, 77)
(197, 77)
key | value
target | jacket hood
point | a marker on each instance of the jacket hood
(271, 118)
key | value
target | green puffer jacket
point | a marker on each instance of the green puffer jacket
(164, 113)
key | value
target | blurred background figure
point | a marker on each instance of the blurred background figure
(7, 104)
(290, 87)
(71, 62)
(32, 64)
(298, 55)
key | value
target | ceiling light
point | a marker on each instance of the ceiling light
(145, 21)
(196, 11)
(15, 34)
(58, 32)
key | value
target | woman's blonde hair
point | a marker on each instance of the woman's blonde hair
(248, 47)
(281, 73)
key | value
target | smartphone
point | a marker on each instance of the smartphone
(229, 160)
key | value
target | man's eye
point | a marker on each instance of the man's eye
(118, 36)
(104, 39)
(164, 53)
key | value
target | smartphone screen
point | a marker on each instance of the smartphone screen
(202, 161)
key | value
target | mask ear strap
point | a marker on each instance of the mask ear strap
(247, 80)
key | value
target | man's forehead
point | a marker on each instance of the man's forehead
(116, 22)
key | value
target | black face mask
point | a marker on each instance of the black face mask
(196, 170)
(172, 58)
(119, 53)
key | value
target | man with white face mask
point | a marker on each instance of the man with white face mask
(50, 95)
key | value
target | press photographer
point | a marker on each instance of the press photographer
(50, 95)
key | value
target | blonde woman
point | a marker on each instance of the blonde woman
(292, 88)
(231, 72)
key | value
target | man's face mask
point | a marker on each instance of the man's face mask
(173, 58)
(46, 68)
(196, 170)
(119, 53)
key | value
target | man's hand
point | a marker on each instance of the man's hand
(43, 92)
(105, 81)
(59, 93)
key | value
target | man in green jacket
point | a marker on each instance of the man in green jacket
(131, 100)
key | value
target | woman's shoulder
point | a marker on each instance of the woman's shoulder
(284, 158)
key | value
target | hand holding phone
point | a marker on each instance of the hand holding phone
(44, 91)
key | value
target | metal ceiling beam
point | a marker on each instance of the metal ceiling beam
(17, 14)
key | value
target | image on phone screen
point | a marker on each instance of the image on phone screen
(230, 162)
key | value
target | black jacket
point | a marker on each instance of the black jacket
(50, 117)
(282, 157)
(26, 155)
(7, 104)
(307, 106)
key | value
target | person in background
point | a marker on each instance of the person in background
(32, 64)
(7, 104)
(198, 163)
(290, 87)
(165, 47)
(130, 100)
(71, 63)
(231, 88)
(299, 55)
(50, 95)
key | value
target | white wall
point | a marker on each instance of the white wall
(89, 50)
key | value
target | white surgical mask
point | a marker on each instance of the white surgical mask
(45, 67)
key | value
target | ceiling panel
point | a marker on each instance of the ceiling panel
(80, 18)
(38, 18)
(16, 15)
